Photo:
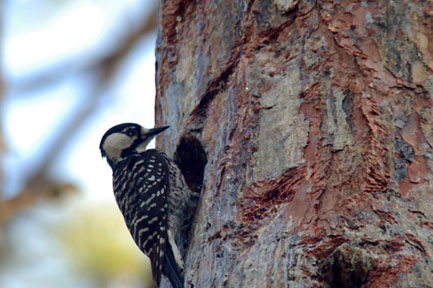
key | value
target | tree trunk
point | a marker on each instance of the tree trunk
(307, 126)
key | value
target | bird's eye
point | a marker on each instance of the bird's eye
(130, 133)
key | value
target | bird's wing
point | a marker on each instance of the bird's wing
(142, 198)
(153, 189)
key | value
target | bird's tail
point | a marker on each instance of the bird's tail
(172, 270)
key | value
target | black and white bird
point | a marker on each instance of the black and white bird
(152, 195)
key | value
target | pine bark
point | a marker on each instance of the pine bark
(307, 127)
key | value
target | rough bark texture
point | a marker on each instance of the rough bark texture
(315, 121)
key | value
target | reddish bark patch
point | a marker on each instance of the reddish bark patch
(376, 171)
(261, 199)
(417, 170)
(387, 273)
(326, 248)
(405, 188)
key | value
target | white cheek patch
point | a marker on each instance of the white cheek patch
(115, 144)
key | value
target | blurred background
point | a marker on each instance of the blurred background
(71, 69)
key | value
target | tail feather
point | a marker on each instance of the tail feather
(172, 271)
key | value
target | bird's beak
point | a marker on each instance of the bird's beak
(154, 131)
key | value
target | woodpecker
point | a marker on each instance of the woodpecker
(152, 195)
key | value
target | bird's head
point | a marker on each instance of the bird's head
(126, 139)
